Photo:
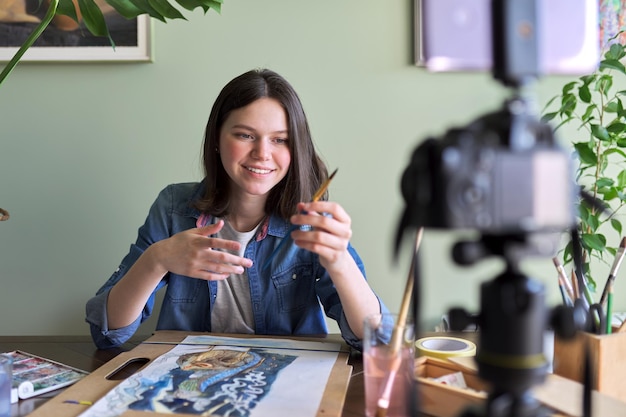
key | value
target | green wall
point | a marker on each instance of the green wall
(85, 148)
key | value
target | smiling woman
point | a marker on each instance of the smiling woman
(207, 242)
(4, 215)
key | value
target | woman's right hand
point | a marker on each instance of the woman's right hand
(196, 254)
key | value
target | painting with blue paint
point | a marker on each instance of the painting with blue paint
(241, 379)
(220, 381)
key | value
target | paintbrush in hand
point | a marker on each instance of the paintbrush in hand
(619, 256)
(318, 194)
(397, 336)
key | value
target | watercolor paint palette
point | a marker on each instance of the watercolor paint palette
(34, 375)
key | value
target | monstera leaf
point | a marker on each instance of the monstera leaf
(90, 14)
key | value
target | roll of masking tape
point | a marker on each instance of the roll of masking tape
(443, 347)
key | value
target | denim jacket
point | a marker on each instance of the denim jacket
(285, 297)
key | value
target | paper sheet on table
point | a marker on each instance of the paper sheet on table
(227, 376)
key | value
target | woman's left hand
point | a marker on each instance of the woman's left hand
(331, 232)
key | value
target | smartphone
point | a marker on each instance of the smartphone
(456, 35)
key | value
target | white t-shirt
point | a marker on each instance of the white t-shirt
(232, 312)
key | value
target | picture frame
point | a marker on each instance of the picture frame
(132, 38)
(611, 22)
(418, 43)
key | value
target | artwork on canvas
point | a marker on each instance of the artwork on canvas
(65, 40)
(242, 378)
(612, 20)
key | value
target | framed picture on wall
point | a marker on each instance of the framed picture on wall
(418, 36)
(457, 24)
(66, 41)
(612, 21)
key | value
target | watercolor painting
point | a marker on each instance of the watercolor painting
(612, 20)
(224, 380)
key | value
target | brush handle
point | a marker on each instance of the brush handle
(605, 291)
(383, 401)
(609, 312)
(397, 336)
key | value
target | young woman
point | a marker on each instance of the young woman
(208, 241)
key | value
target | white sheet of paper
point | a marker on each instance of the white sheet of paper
(273, 381)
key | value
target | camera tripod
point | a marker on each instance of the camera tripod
(512, 321)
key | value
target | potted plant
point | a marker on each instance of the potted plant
(595, 105)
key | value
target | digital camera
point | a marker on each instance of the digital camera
(503, 173)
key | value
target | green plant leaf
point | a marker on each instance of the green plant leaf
(594, 241)
(94, 19)
(611, 107)
(192, 4)
(67, 8)
(567, 253)
(616, 127)
(546, 117)
(165, 9)
(567, 88)
(615, 151)
(587, 115)
(611, 250)
(586, 79)
(604, 84)
(593, 222)
(613, 64)
(126, 8)
(621, 179)
(617, 226)
(214, 4)
(604, 182)
(568, 104)
(585, 154)
(584, 94)
(609, 194)
(147, 8)
(566, 120)
(615, 52)
(600, 132)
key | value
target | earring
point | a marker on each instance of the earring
(217, 150)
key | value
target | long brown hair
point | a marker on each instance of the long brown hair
(306, 172)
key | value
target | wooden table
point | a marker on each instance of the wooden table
(80, 352)
(76, 351)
